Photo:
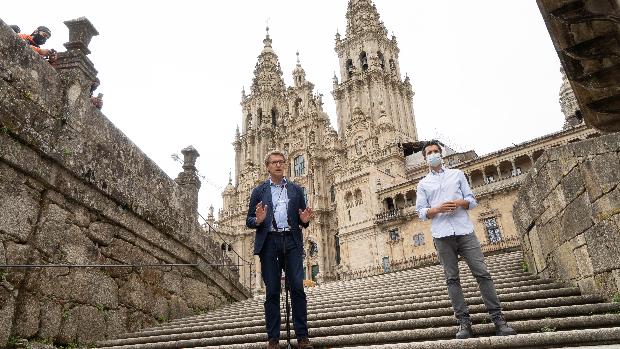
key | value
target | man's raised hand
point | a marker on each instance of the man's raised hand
(305, 215)
(261, 212)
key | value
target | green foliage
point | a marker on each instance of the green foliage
(72, 345)
(101, 307)
(28, 94)
(4, 129)
(66, 152)
(547, 328)
(161, 319)
(524, 266)
(12, 341)
(616, 298)
(3, 275)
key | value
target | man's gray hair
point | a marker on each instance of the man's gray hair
(273, 152)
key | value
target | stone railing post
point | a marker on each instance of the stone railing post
(189, 182)
(74, 62)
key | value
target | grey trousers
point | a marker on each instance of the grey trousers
(468, 247)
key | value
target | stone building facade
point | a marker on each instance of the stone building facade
(359, 180)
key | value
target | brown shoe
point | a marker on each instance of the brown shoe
(273, 344)
(304, 343)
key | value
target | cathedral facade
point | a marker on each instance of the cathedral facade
(360, 180)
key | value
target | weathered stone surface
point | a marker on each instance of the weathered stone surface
(606, 236)
(197, 295)
(134, 293)
(137, 320)
(178, 307)
(607, 205)
(583, 261)
(576, 218)
(571, 186)
(588, 202)
(7, 309)
(51, 317)
(101, 233)
(91, 324)
(600, 174)
(116, 322)
(28, 310)
(19, 205)
(82, 285)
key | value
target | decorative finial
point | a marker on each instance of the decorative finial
(229, 177)
(267, 40)
(297, 53)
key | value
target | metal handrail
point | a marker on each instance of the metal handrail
(239, 257)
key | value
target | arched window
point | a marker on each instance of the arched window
(494, 233)
(259, 117)
(332, 193)
(274, 117)
(248, 122)
(388, 204)
(381, 60)
(296, 107)
(337, 243)
(358, 197)
(299, 166)
(392, 66)
(349, 68)
(363, 61)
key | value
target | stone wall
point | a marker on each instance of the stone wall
(75, 190)
(567, 213)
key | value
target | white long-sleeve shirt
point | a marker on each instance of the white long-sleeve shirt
(439, 187)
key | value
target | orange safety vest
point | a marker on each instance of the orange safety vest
(30, 42)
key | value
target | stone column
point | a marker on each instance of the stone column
(73, 62)
(190, 183)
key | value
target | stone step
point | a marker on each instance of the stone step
(517, 309)
(377, 334)
(362, 325)
(406, 277)
(440, 300)
(503, 286)
(532, 340)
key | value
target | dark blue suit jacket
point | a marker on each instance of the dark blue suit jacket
(296, 202)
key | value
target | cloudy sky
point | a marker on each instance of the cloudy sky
(484, 72)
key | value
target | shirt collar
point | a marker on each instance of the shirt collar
(442, 170)
(284, 182)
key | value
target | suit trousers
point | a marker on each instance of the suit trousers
(272, 257)
(467, 246)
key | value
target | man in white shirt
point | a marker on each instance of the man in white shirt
(445, 196)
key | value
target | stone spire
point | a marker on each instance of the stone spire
(568, 104)
(362, 17)
(299, 74)
(267, 74)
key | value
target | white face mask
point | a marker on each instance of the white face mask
(434, 159)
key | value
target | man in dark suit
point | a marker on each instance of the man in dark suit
(278, 211)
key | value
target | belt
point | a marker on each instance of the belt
(280, 231)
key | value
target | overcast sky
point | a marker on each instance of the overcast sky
(484, 72)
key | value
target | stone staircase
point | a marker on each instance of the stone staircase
(407, 309)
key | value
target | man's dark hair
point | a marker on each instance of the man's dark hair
(15, 28)
(428, 144)
(43, 28)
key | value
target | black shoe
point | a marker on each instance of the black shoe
(502, 328)
(464, 329)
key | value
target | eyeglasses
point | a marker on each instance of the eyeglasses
(278, 162)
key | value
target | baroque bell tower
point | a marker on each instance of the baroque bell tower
(370, 84)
